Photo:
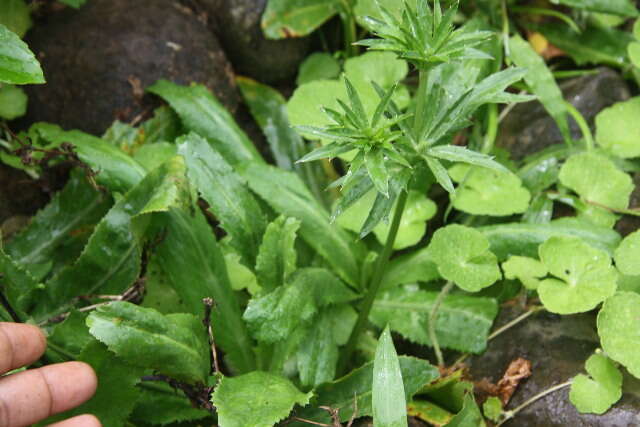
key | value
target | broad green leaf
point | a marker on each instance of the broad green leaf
(296, 18)
(318, 66)
(145, 338)
(277, 257)
(240, 276)
(594, 45)
(117, 382)
(18, 65)
(463, 257)
(190, 256)
(201, 112)
(228, 197)
(256, 399)
(72, 334)
(16, 16)
(449, 391)
(619, 337)
(162, 405)
(541, 81)
(410, 268)
(583, 276)
(524, 239)
(389, 405)
(158, 292)
(357, 385)
(76, 207)
(492, 408)
(287, 195)
(614, 7)
(19, 286)
(115, 169)
(528, 270)
(272, 317)
(484, 191)
(110, 261)
(463, 323)
(429, 412)
(627, 255)
(13, 102)
(617, 129)
(150, 156)
(469, 416)
(163, 126)
(633, 50)
(597, 179)
(413, 225)
(596, 394)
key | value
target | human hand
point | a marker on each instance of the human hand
(30, 396)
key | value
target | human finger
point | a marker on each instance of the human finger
(33, 395)
(79, 421)
(20, 345)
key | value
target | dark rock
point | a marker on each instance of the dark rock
(237, 24)
(528, 128)
(628, 224)
(98, 59)
(557, 347)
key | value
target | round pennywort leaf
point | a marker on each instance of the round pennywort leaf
(619, 330)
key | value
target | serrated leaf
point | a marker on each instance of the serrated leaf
(228, 197)
(162, 405)
(583, 276)
(145, 338)
(287, 195)
(617, 130)
(163, 126)
(72, 334)
(619, 339)
(277, 257)
(528, 270)
(272, 399)
(296, 18)
(596, 394)
(485, 191)
(463, 323)
(240, 276)
(389, 405)
(463, 257)
(541, 81)
(614, 7)
(627, 255)
(18, 65)
(597, 179)
(190, 256)
(20, 286)
(150, 156)
(201, 112)
(13, 102)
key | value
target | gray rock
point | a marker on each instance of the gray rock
(557, 347)
(237, 24)
(528, 128)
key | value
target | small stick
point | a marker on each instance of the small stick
(208, 305)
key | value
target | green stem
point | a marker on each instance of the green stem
(582, 124)
(421, 104)
(374, 286)
(492, 129)
(505, 29)
(433, 317)
(349, 28)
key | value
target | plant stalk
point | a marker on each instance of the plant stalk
(433, 317)
(512, 413)
(421, 105)
(349, 28)
(374, 285)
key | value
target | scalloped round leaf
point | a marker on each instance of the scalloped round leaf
(597, 394)
(413, 225)
(13, 102)
(528, 270)
(619, 330)
(618, 127)
(463, 257)
(484, 191)
(257, 399)
(584, 276)
(633, 50)
(318, 66)
(597, 179)
(627, 255)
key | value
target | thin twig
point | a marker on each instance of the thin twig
(197, 394)
(512, 413)
(208, 305)
(315, 423)
(355, 411)
(514, 322)
(433, 317)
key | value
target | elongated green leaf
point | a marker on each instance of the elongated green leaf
(614, 7)
(110, 261)
(389, 404)
(145, 338)
(454, 153)
(463, 324)
(597, 394)
(296, 18)
(287, 195)
(229, 199)
(77, 206)
(541, 81)
(202, 113)
(524, 239)
(272, 398)
(115, 169)
(619, 339)
(117, 382)
(18, 65)
(277, 256)
(440, 173)
(191, 258)
(162, 405)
